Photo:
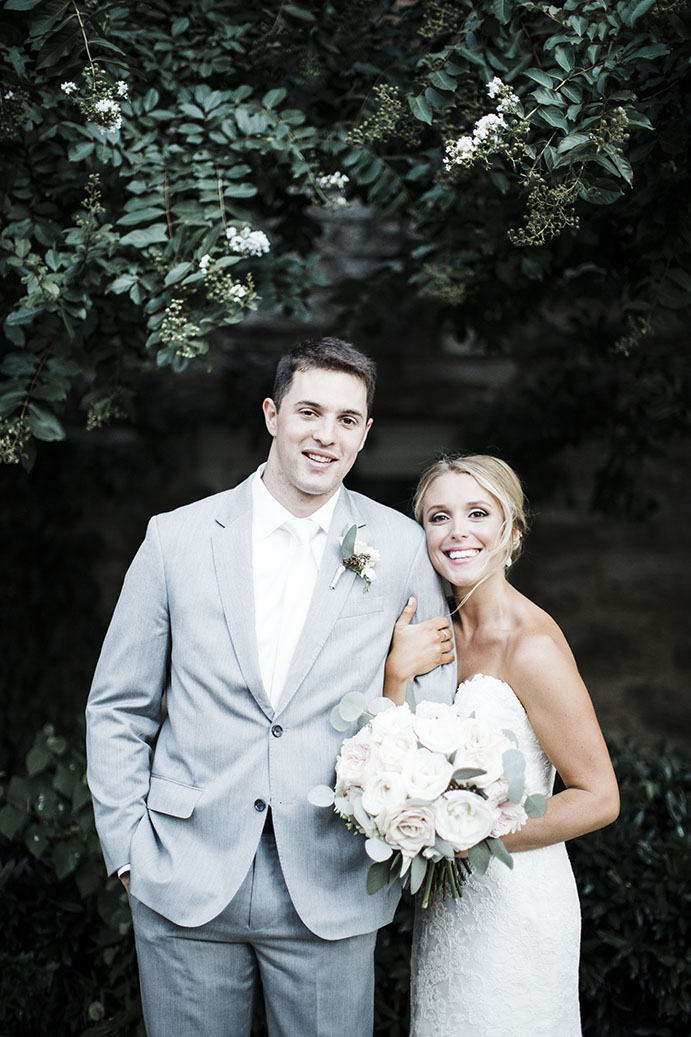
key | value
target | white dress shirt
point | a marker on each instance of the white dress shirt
(271, 546)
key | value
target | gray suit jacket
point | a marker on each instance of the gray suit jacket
(178, 789)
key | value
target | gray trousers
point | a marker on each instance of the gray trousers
(200, 982)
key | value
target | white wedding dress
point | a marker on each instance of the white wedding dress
(502, 961)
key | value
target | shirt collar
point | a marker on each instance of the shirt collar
(268, 514)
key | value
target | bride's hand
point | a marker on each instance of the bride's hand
(417, 648)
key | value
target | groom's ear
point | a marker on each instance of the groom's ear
(368, 426)
(270, 412)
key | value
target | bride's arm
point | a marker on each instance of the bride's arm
(546, 679)
(415, 649)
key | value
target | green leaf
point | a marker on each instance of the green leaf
(147, 236)
(36, 841)
(348, 543)
(554, 117)
(498, 850)
(514, 772)
(76, 152)
(574, 140)
(177, 273)
(564, 57)
(141, 216)
(540, 77)
(377, 876)
(337, 720)
(11, 820)
(43, 424)
(442, 80)
(321, 796)
(418, 870)
(479, 857)
(272, 98)
(535, 805)
(352, 705)
(466, 773)
(179, 26)
(299, 12)
(421, 109)
(638, 11)
(502, 10)
(37, 760)
(378, 850)
(65, 859)
(21, 5)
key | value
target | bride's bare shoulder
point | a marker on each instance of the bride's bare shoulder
(538, 640)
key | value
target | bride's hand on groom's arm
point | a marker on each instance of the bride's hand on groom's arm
(416, 648)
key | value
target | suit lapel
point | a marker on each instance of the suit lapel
(326, 603)
(231, 542)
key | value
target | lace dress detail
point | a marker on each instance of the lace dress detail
(502, 961)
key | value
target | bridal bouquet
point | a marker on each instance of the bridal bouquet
(423, 785)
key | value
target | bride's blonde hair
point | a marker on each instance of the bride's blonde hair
(499, 479)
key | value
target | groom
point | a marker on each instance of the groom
(234, 637)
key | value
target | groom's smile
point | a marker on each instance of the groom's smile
(318, 431)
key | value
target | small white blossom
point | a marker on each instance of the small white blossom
(238, 292)
(121, 87)
(459, 152)
(204, 263)
(489, 127)
(105, 104)
(68, 88)
(511, 105)
(494, 87)
(332, 180)
(9, 94)
(247, 242)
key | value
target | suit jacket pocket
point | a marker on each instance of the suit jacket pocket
(361, 603)
(167, 796)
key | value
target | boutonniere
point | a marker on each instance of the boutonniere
(358, 557)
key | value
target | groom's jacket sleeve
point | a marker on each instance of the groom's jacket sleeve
(425, 585)
(125, 702)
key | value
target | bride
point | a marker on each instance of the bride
(502, 961)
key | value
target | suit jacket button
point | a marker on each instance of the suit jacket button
(277, 730)
(259, 805)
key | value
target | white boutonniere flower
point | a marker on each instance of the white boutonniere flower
(358, 557)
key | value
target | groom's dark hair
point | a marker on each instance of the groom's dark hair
(326, 354)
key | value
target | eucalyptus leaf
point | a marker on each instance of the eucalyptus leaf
(337, 720)
(418, 870)
(479, 857)
(321, 796)
(352, 705)
(348, 543)
(377, 877)
(378, 850)
(535, 805)
(466, 773)
(498, 850)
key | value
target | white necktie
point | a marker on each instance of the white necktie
(301, 575)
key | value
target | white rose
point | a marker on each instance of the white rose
(464, 819)
(512, 816)
(408, 829)
(352, 765)
(439, 727)
(425, 774)
(393, 750)
(391, 722)
(383, 791)
(482, 746)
